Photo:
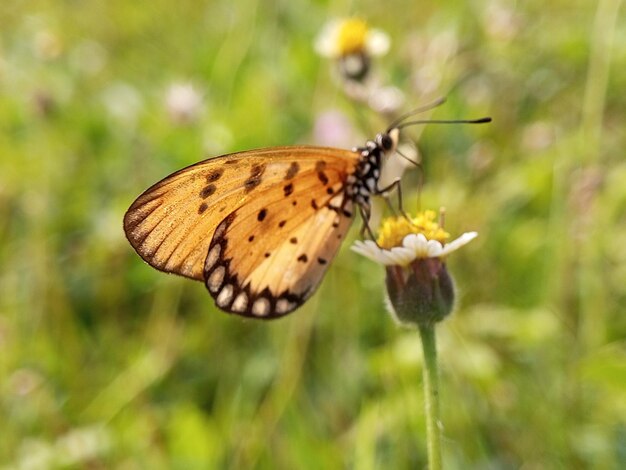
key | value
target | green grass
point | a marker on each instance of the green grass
(107, 363)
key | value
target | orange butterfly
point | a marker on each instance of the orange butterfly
(260, 227)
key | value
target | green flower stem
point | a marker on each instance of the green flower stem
(431, 395)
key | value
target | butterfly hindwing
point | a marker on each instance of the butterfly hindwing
(269, 256)
(171, 225)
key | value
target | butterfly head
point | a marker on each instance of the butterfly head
(388, 141)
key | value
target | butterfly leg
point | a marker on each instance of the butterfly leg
(395, 184)
(365, 228)
(390, 206)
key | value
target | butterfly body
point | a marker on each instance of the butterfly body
(260, 227)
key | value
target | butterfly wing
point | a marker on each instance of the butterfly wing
(267, 257)
(172, 224)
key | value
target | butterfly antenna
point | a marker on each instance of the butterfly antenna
(413, 112)
(443, 121)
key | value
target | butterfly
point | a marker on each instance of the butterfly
(260, 227)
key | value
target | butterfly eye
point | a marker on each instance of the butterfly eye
(385, 141)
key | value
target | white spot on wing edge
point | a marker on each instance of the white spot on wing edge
(225, 296)
(219, 231)
(261, 307)
(240, 303)
(284, 306)
(212, 257)
(214, 282)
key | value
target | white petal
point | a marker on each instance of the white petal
(369, 249)
(326, 42)
(458, 243)
(435, 249)
(377, 42)
(415, 246)
(400, 255)
(386, 258)
(417, 243)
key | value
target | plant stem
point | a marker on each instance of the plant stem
(431, 396)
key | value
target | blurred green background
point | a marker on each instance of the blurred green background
(107, 363)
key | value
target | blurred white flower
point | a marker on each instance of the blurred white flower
(88, 57)
(395, 166)
(24, 381)
(352, 44)
(347, 36)
(386, 100)
(123, 103)
(431, 56)
(47, 45)
(183, 102)
(501, 22)
(82, 444)
(77, 448)
(538, 136)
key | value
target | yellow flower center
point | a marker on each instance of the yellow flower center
(394, 229)
(352, 34)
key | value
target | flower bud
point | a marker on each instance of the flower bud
(421, 293)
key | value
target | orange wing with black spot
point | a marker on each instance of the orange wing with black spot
(259, 227)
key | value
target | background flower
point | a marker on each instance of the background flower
(348, 36)
(183, 102)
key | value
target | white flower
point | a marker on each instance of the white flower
(183, 102)
(414, 246)
(419, 288)
(342, 37)
(386, 99)
(123, 103)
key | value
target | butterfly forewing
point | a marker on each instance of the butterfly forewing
(171, 225)
(270, 255)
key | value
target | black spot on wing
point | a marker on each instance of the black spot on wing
(292, 171)
(208, 191)
(255, 178)
(214, 175)
(202, 207)
(322, 177)
(303, 258)
(288, 189)
(261, 215)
